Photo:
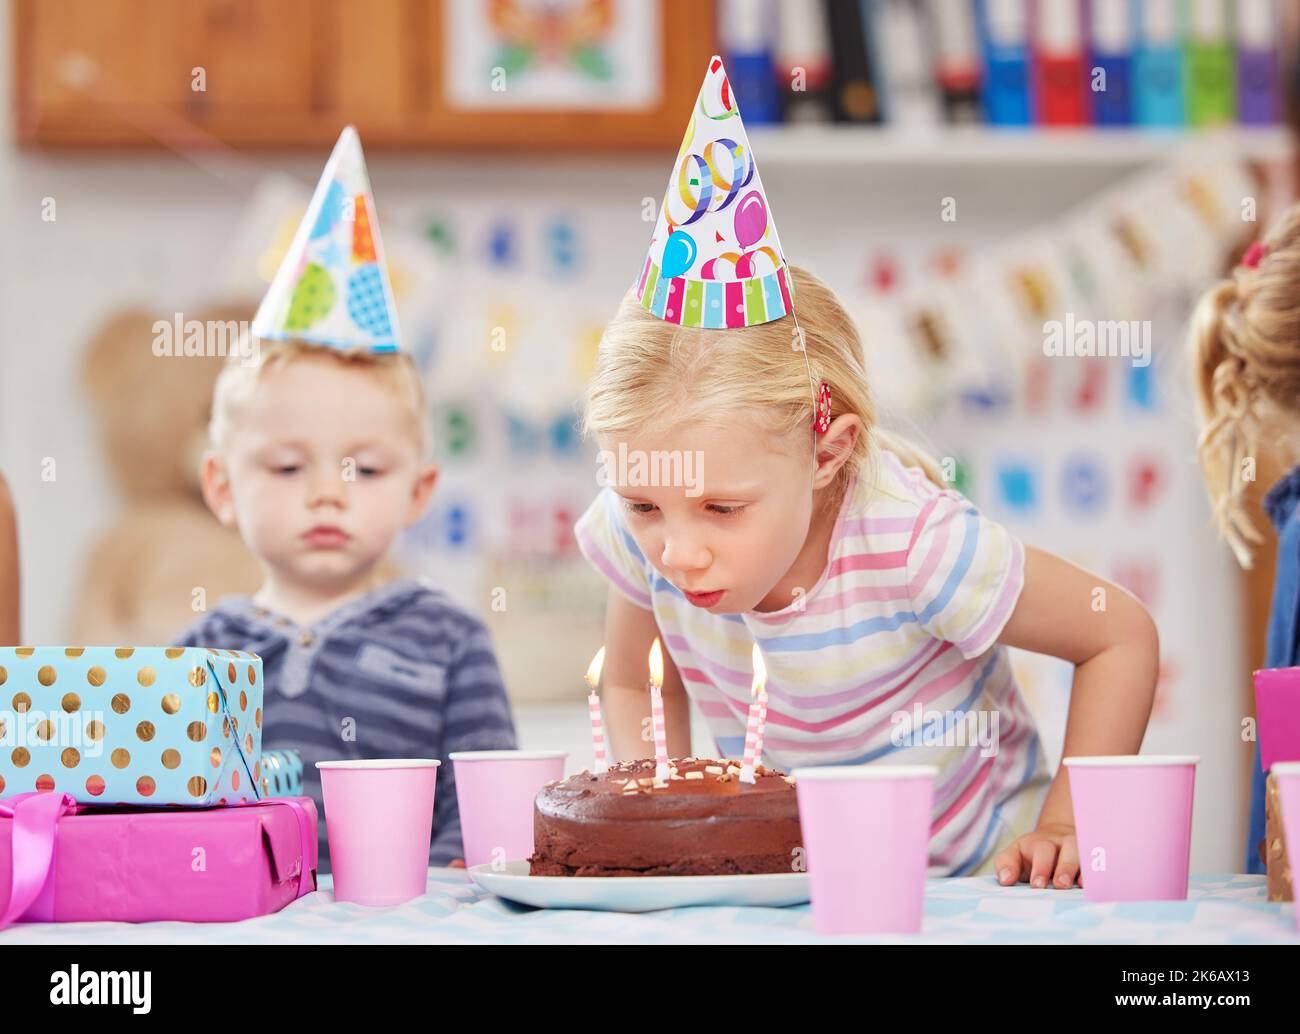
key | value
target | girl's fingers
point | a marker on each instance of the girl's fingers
(1044, 861)
(1067, 866)
(1007, 865)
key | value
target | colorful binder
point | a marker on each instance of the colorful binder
(1003, 29)
(747, 34)
(1059, 73)
(1210, 72)
(908, 94)
(802, 43)
(855, 91)
(949, 26)
(1157, 64)
(1257, 31)
(1110, 42)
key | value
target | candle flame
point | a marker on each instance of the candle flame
(760, 673)
(657, 665)
(593, 672)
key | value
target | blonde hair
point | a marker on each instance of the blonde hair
(653, 373)
(241, 374)
(1245, 349)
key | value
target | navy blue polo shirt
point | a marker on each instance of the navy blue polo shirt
(400, 672)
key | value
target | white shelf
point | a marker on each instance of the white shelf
(991, 146)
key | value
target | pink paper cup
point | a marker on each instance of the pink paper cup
(1277, 705)
(1133, 821)
(866, 839)
(1288, 791)
(379, 820)
(495, 791)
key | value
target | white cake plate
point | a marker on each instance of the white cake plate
(639, 893)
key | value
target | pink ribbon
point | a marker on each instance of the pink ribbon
(35, 830)
(306, 838)
(36, 818)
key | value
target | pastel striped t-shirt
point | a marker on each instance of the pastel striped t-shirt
(901, 626)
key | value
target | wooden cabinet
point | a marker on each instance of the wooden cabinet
(275, 73)
(129, 71)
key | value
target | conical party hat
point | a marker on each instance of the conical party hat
(715, 259)
(332, 287)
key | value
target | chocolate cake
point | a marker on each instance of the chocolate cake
(701, 821)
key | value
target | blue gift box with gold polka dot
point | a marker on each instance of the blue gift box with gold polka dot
(131, 725)
(281, 773)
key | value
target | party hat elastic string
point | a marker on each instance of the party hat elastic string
(715, 259)
(821, 393)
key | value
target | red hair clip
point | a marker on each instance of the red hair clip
(1253, 254)
(822, 417)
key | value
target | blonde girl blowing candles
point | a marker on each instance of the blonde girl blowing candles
(874, 592)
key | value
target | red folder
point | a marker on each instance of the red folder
(1060, 67)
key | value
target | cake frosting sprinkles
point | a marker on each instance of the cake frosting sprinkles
(700, 821)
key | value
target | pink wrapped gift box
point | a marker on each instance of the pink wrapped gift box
(1277, 703)
(79, 863)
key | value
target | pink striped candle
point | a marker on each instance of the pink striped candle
(757, 719)
(593, 710)
(657, 711)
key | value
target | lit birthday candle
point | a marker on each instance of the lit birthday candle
(757, 719)
(657, 711)
(593, 709)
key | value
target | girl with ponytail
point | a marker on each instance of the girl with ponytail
(1245, 348)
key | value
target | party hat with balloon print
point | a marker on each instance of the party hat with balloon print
(332, 287)
(715, 259)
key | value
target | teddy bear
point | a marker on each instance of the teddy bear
(165, 557)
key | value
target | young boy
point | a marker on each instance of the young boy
(317, 460)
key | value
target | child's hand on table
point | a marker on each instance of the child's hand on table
(1050, 849)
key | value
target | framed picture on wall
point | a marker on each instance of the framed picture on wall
(592, 54)
(582, 73)
(544, 75)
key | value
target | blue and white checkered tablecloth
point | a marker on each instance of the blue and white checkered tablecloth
(1230, 909)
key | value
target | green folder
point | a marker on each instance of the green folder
(1209, 68)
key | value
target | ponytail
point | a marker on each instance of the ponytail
(1225, 391)
(1244, 346)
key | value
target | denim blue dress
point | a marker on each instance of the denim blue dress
(1282, 504)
